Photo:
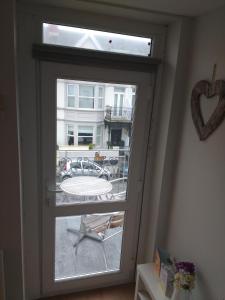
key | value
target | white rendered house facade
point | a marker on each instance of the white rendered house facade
(94, 113)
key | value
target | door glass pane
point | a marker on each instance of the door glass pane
(88, 244)
(96, 40)
(98, 138)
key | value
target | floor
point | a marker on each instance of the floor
(123, 292)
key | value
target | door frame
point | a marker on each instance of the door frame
(149, 102)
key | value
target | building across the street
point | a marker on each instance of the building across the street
(94, 114)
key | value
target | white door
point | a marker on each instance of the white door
(90, 228)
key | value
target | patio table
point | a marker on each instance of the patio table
(86, 186)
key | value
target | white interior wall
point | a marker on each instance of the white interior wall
(196, 224)
(164, 137)
(10, 211)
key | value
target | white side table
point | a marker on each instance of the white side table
(148, 284)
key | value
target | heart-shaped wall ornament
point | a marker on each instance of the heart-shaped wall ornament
(209, 90)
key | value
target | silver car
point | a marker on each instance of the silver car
(84, 168)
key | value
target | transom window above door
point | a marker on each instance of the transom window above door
(96, 40)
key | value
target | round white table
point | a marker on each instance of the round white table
(86, 186)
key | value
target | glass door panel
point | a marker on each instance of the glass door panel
(88, 245)
(77, 151)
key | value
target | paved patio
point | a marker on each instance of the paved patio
(90, 254)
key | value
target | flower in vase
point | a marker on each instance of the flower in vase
(185, 275)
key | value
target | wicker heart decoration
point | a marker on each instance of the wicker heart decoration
(209, 90)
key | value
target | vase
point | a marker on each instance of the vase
(181, 294)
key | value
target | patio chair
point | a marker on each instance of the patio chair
(118, 192)
(94, 227)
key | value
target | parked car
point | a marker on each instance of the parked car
(84, 168)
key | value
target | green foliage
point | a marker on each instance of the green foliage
(91, 146)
